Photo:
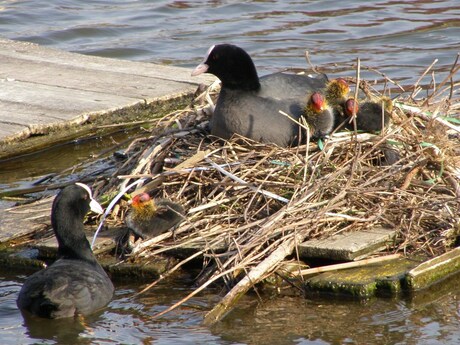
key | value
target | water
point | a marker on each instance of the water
(399, 38)
(432, 317)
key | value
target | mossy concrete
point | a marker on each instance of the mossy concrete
(433, 270)
(386, 278)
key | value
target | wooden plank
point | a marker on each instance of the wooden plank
(48, 247)
(349, 246)
(8, 129)
(26, 219)
(73, 78)
(41, 86)
(434, 270)
(66, 102)
(36, 53)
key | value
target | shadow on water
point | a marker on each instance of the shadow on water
(80, 159)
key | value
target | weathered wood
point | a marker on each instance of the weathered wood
(348, 246)
(345, 265)
(23, 220)
(434, 270)
(41, 87)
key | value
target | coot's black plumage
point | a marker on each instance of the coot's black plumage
(75, 284)
(249, 105)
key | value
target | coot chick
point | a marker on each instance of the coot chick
(75, 284)
(149, 218)
(319, 116)
(337, 91)
(250, 106)
(369, 114)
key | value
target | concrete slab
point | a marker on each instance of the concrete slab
(386, 278)
(348, 246)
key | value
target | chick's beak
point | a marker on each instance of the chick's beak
(96, 207)
(201, 68)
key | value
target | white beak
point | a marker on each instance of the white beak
(201, 68)
(96, 207)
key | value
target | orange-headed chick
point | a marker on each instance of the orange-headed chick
(148, 218)
(370, 116)
(336, 93)
(319, 115)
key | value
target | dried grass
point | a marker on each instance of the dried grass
(246, 199)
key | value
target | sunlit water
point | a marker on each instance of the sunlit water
(399, 38)
(432, 317)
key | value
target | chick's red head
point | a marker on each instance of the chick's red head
(343, 85)
(351, 106)
(140, 199)
(317, 102)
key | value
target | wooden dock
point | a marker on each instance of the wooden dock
(43, 88)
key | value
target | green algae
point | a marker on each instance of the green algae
(434, 270)
(386, 278)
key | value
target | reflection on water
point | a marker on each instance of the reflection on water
(401, 38)
(430, 317)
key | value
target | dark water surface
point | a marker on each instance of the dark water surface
(400, 38)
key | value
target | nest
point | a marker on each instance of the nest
(248, 202)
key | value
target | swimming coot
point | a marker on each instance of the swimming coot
(249, 105)
(319, 116)
(149, 218)
(75, 284)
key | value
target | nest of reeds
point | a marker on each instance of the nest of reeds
(247, 202)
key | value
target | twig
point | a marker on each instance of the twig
(346, 265)
(420, 78)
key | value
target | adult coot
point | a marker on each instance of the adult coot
(149, 218)
(318, 115)
(250, 106)
(75, 284)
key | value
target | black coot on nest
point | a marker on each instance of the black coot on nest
(249, 105)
